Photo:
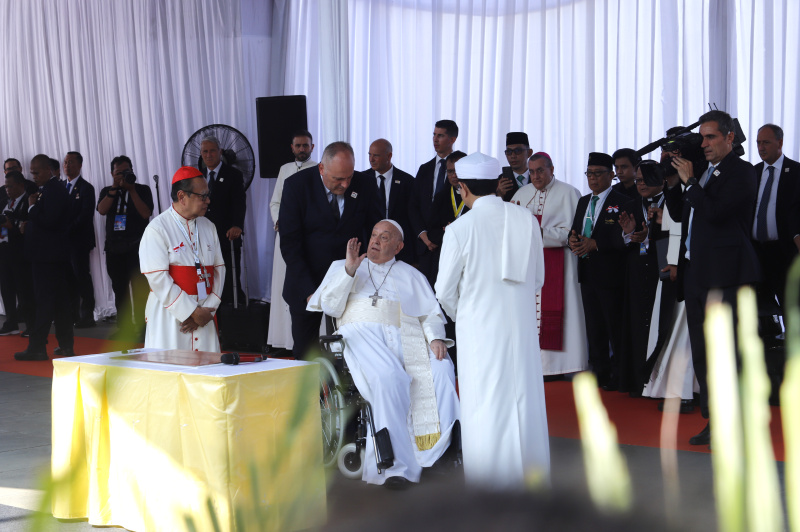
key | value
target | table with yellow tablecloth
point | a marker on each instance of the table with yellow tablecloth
(147, 446)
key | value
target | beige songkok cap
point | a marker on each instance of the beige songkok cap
(478, 166)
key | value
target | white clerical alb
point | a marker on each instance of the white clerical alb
(554, 207)
(386, 314)
(170, 246)
(503, 420)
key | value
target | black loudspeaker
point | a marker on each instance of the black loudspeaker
(279, 117)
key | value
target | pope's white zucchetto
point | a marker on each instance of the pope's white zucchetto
(478, 166)
(397, 225)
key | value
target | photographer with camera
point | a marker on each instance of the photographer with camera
(16, 283)
(716, 212)
(127, 207)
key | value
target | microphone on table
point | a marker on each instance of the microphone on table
(234, 358)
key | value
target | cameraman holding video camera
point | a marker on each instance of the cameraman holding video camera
(716, 212)
(127, 207)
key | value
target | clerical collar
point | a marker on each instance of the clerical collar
(382, 267)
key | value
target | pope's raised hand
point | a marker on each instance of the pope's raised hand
(352, 258)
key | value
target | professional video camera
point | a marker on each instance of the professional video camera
(689, 144)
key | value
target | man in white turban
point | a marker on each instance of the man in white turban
(396, 351)
(490, 269)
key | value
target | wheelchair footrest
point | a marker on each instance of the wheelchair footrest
(384, 453)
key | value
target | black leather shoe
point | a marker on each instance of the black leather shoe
(85, 324)
(9, 328)
(397, 483)
(25, 334)
(63, 352)
(703, 437)
(31, 355)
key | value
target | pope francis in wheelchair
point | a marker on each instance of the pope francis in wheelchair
(396, 351)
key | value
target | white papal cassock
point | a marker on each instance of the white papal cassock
(554, 207)
(490, 269)
(375, 357)
(279, 333)
(168, 262)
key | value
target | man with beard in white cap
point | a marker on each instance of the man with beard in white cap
(396, 350)
(490, 269)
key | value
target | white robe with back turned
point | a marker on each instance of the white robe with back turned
(503, 418)
(164, 244)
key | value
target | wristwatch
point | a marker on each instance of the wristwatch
(691, 181)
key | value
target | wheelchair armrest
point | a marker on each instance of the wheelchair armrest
(330, 338)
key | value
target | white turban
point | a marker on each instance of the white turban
(397, 225)
(478, 166)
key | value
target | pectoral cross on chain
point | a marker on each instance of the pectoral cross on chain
(375, 297)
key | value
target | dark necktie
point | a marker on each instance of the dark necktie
(761, 218)
(211, 175)
(335, 207)
(382, 196)
(440, 178)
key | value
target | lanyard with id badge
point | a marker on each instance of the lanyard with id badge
(121, 218)
(202, 283)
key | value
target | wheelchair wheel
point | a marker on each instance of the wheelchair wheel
(331, 403)
(351, 463)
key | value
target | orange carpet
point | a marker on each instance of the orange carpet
(83, 346)
(638, 421)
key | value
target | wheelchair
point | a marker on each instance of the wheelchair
(346, 415)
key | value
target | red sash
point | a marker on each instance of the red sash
(551, 332)
(186, 277)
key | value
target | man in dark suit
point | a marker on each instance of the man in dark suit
(226, 210)
(776, 235)
(16, 284)
(81, 238)
(625, 162)
(596, 238)
(47, 248)
(321, 209)
(516, 174)
(127, 207)
(641, 274)
(431, 178)
(716, 253)
(13, 165)
(394, 192)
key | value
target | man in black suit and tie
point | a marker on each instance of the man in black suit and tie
(431, 178)
(516, 174)
(16, 284)
(321, 209)
(81, 237)
(776, 235)
(226, 210)
(394, 192)
(596, 238)
(13, 165)
(716, 253)
(47, 247)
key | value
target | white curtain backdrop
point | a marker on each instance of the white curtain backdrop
(138, 77)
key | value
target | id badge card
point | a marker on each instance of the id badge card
(642, 249)
(3, 232)
(202, 291)
(120, 221)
